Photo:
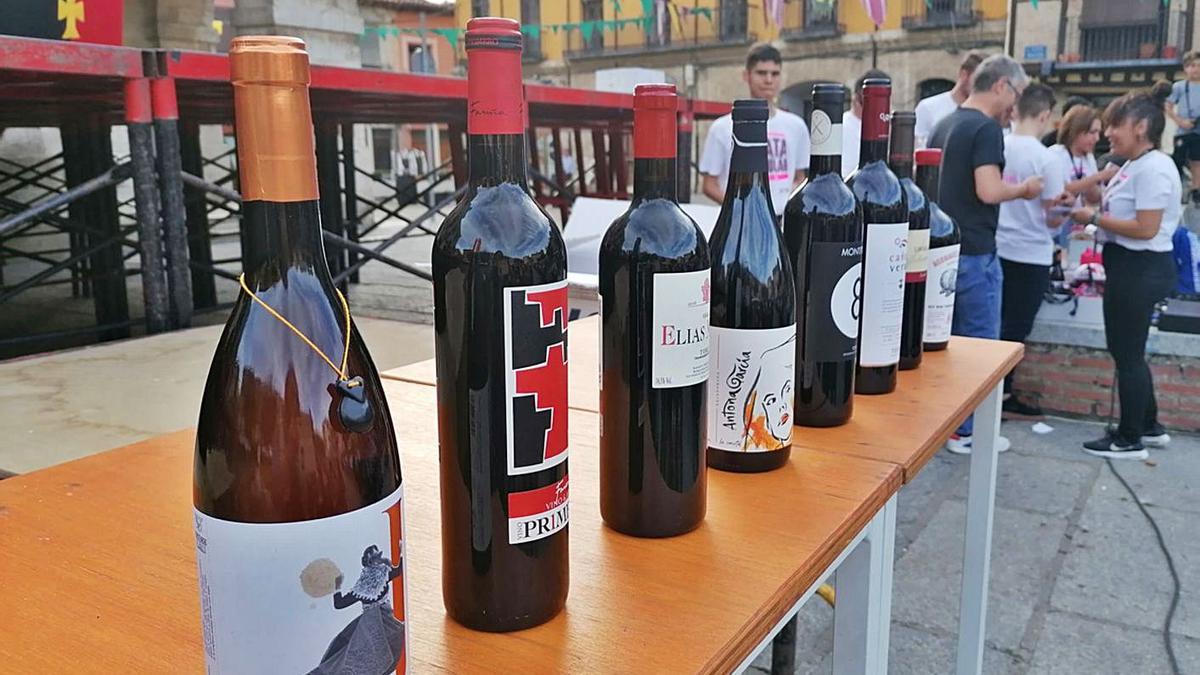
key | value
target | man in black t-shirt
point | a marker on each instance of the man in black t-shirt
(972, 188)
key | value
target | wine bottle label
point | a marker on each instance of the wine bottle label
(826, 135)
(535, 354)
(834, 301)
(917, 267)
(884, 265)
(538, 513)
(304, 597)
(679, 343)
(939, 292)
(751, 390)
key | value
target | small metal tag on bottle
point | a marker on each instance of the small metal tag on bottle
(354, 410)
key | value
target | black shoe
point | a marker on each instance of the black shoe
(1115, 447)
(1015, 407)
(1156, 437)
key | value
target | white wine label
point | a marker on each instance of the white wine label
(826, 136)
(939, 292)
(834, 302)
(750, 392)
(538, 513)
(535, 353)
(917, 266)
(317, 596)
(679, 342)
(884, 265)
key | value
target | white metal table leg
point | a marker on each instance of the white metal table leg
(858, 609)
(981, 502)
(887, 560)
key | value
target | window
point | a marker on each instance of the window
(480, 8)
(593, 10)
(382, 139)
(733, 20)
(659, 34)
(820, 14)
(531, 13)
(420, 59)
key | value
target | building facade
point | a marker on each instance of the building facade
(701, 44)
(1101, 48)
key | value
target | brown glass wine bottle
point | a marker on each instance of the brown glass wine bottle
(297, 485)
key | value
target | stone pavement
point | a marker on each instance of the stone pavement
(1078, 583)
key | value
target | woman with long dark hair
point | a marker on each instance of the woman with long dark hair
(1140, 210)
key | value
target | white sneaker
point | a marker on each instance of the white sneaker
(1156, 438)
(961, 445)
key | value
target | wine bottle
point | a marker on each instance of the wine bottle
(944, 239)
(885, 237)
(912, 328)
(500, 336)
(823, 226)
(297, 485)
(654, 342)
(753, 312)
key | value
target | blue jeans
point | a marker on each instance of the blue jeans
(977, 304)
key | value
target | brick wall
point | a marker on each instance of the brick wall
(1077, 382)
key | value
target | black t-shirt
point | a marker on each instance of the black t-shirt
(969, 139)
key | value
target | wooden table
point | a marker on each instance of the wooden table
(98, 571)
(905, 428)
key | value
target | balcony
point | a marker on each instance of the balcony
(818, 19)
(722, 26)
(1152, 33)
(931, 14)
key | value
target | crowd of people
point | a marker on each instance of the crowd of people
(1022, 179)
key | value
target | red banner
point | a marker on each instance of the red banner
(99, 21)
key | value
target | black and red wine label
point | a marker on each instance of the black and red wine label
(535, 351)
(834, 301)
(535, 354)
(885, 264)
(750, 393)
(305, 597)
(538, 513)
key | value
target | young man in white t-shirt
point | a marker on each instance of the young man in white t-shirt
(852, 123)
(931, 110)
(1025, 230)
(787, 135)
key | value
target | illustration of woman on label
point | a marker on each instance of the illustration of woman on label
(373, 642)
(768, 408)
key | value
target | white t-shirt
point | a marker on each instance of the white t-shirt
(930, 111)
(1147, 183)
(851, 142)
(1021, 234)
(788, 146)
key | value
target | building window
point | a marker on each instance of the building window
(733, 20)
(531, 13)
(421, 58)
(479, 8)
(593, 10)
(659, 34)
(820, 14)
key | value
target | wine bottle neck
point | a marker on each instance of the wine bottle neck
(902, 166)
(743, 183)
(927, 180)
(654, 178)
(873, 151)
(282, 236)
(822, 164)
(497, 158)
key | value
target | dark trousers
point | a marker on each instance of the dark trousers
(1024, 289)
(1136, 281)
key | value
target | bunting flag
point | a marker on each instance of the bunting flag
(773, 11)
(876, 10)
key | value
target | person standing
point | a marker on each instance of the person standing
(972, 188)
(933, 109)
(852, 123)
(1183, 107)
(1024, 233)
(1078, 133)
(1140, 211)
(787, 135)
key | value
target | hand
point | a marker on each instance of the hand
(1064, 199)
(1109, 172)
(1031, 187)
(1186, 124)
(1083, 214)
